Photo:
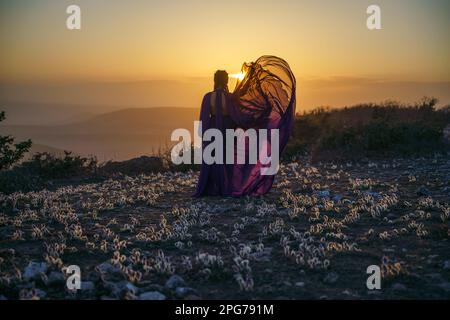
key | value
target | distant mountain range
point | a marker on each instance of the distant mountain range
(29, 113)
(39, 148)
(51, 103)
(117, 135)
(137, 121)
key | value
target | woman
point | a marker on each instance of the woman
(216, 179)
(263, 99)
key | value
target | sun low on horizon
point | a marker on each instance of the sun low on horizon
(326, 43)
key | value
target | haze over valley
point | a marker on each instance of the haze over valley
(124, 120)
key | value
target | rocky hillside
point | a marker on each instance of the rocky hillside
(312, 237)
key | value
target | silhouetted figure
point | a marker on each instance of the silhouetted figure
(263, 99)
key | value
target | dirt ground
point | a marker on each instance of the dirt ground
(312, 237)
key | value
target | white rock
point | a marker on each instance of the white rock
(40, 293)
(132, 288)
(174, 282)
(34, 270)
(182, 292)
(399, 287)
(331, 278)
(107, 267)
(87, 286)
(152, 295)
(445, 286)
(447, 265)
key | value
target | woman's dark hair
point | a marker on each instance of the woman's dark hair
(221, 80)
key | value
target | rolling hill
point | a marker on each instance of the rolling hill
(117, 135)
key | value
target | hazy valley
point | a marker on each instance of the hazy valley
(114, 135)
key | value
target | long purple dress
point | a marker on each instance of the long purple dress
(264, 99)
(215, 179)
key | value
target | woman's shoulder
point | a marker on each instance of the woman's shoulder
(225, 92)
(208, 95)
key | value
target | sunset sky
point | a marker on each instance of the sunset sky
(336, 59)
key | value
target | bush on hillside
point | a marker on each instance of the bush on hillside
(11, 152)
(371, 130)
(44, 168)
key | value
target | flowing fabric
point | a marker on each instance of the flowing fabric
(264, 99)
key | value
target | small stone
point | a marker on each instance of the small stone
(119, 289)
(445, 286)
(267, 288)
(323, 194)
(399, 287)
(152, 295)
(34, 270)
(347, 292)
(374, 292)
(40, 293)
(262, 256)
(219, 210)
(447, 265)
(331, 278)
(392, 216)
(107, 272)
(182, 292)
(132, 288)
(174, 282)
(107, 267)
(374, 195)
(153, 287)
(300, 284)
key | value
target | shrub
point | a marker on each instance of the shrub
(136, 166)
(49, 166)
(44, 169)
(371, 130)
(10, 152)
